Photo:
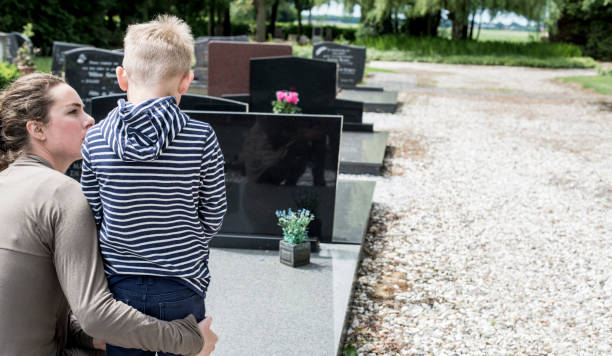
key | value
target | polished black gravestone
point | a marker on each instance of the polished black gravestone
(200, 70)
(91, 72)
(351, 61)
(313, 79)
(57, 55)
(275, 162)
(102, 105)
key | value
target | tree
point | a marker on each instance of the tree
(260, 20)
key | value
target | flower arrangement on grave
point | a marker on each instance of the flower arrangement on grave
(286, 102)
(294, 225)
(26, 53)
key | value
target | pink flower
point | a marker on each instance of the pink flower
(292, 97)
(280, 95)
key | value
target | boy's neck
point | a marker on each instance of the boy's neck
(137, 95)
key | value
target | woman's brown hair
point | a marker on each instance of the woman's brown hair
(26, 99)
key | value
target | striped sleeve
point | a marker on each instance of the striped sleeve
(89, 185)
(212, 205)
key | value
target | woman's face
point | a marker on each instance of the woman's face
(67, 125)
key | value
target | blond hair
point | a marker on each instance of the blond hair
(157, 50)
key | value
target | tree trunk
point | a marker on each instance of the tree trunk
(273, 14)
(298, 7)
(460, 27)
(260, 32)
(211, 18)
(219, 25)
(227, 23)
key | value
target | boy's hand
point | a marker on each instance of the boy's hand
(210, 338)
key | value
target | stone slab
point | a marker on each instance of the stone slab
(363, 152)
(352, 206)
(352, 214)
(373, 101)
(57, 55)
(229, 64)
(295, 311)
(201, 53)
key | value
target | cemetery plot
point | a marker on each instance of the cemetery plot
(313, 79)
(275, 162)
(230, 67)
(351, 61)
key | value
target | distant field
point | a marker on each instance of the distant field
(499, 35)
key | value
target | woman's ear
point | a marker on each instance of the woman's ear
(185, 82)
(36, 130)
(122, 78)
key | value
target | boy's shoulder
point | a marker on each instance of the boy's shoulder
(194, 124)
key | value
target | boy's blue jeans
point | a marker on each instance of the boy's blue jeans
(159, 297)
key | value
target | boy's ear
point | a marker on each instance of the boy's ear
(122, 78)
(185, 82)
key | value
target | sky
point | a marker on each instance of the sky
(336, 8)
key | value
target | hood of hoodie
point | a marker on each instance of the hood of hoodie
(141, 132)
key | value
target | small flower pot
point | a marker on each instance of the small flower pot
(26, 69)
(294, 255)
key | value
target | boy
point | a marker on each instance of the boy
(154, 179)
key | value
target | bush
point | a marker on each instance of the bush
(8, 73)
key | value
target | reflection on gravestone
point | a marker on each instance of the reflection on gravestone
(351, 61)
(91, 72)
(277, 162)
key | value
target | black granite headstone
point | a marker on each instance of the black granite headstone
(200, 70)
(351, 61)
(102, 105)
(317, 34)
(91, 72)
(275, 162)
(57, 55)
(314, 80)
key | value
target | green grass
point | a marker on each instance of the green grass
(436, 50)
(43, 64)
(499, 35)
(601, 83)
(380, 70)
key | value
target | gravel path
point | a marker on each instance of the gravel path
(491, 232)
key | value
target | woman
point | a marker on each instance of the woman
(49, 258)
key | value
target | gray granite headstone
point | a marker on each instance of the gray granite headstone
(10, 43)
(57, 54)
(201, 53)
(351, 61)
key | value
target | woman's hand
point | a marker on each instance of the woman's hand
(99, 344)
(210, 338)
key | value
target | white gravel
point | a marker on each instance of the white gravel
(492, 230)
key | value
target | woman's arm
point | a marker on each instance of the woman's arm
(80, 272)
